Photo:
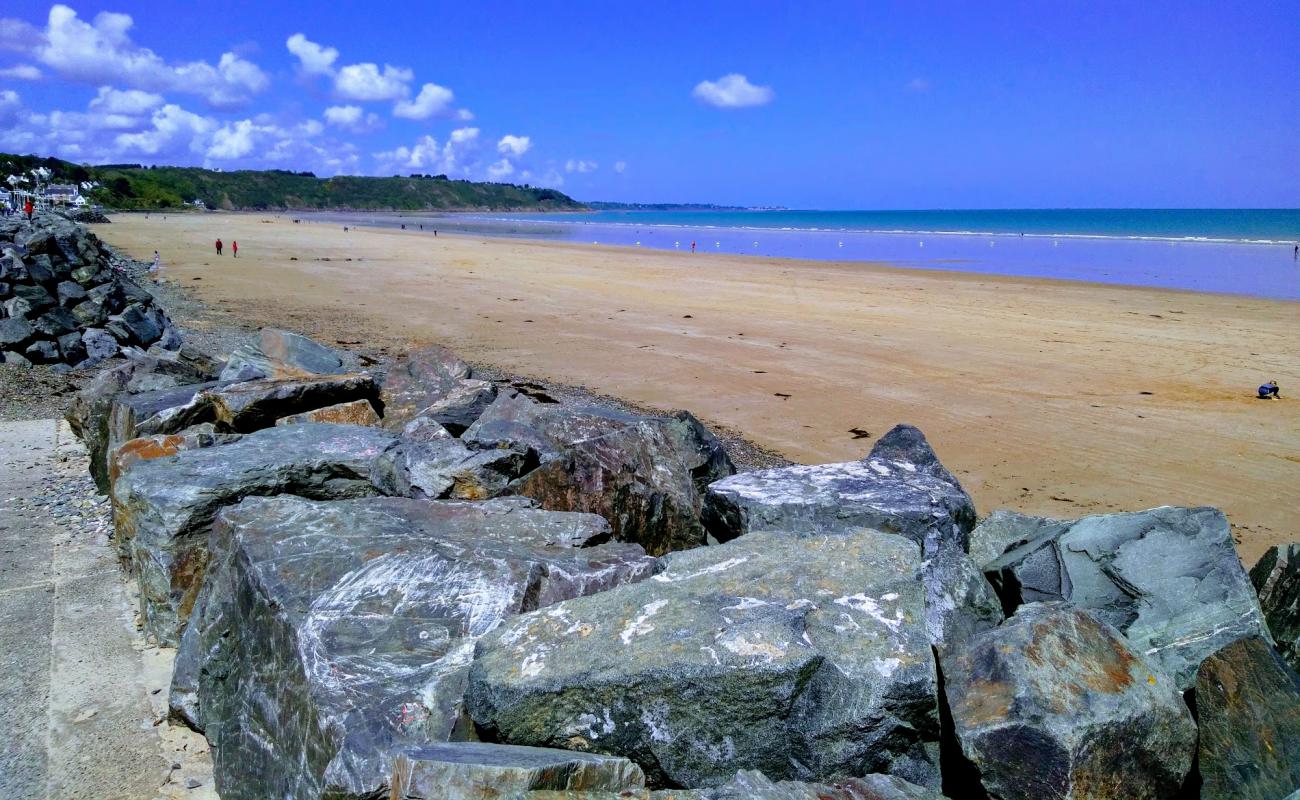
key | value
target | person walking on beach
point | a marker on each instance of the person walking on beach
(1295, 254)
(218, 247)
(1269, 391)
(234, 248)
(692, 247)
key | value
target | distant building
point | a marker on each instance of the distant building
(63, 194)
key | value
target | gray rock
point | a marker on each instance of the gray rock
(251, 405)
(18, 308)
(154, 412)
(42, 352)
(70, 293)
(71, 350)
(99, 344)
(752, 785)
(36, 296)
(1248, 707)
(1055, 703)
(341, 632)
(142, 327)
(163, 508)
(276, 353)
(900, 487)
(1276, 577)
(959, 602)
(56, 322)
(14, 359)
(803, 658)
(1167, 578)
(474, 770)
(424, 429)
(171, 338)
(417, 380)
(996, 533)
(445, 468)
(15, 332)
(461, 405)
(640, 473)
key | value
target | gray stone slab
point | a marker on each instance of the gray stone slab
(26, 616)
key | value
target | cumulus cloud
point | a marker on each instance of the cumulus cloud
(455, 157)
(620, 166)
(500, 169)
(511, 145)
(128, 101)
(21, 72)
(313, 59)
(578, 165)
(732, 91)
(102, 51)
(352, 118)
(368, 82)
(432, 100)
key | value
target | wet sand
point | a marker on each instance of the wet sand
(1050, 397)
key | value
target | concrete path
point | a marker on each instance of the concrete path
(81, 698)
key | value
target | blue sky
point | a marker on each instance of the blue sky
(832, 105)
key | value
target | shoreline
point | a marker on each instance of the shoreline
(1033, 390)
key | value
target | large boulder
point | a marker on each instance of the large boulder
(1276, 577)
(353, 412)
(900, 487)
(275, 353)
(1055, 703)
(434, 382)
(1248, 707)
(803, 658)
(15, 333)
(445, 469)
(999, 531)
(251, 405)
(473, 771)
(643, 474)
(332, 636)
(1167, 578)
(163, 508)
(753, 785)
(959, 601)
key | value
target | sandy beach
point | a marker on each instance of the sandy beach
(1049, 397)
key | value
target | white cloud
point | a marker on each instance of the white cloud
(432, 99)
(918, 85)
(352, 118)
(172, 130)
(128, 101)
(102, 51)
(500, 169)
(464, 135)
(455, 157)
(22, 72)
(511, 145)
(10, 106)
(732, 91)
(578, 165)
(314, 59)
(368, 82)
(620, 166)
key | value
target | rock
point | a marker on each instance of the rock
(341, 632)
(249, 406)
(752, 785)
(445, 468)
(997, 532)
(462, 404)
(36, 296)
(1276, 578)
(14, 359)
(157, 411)
(1167, 578)
(42, 352)
(900, 487)
(15, 332)
(804, 658)
(56, 322)
(276, 354)
(1248, 707)
(147, 448)
(18, 308)
(142, 325)
(71, 350)
(474, 770)
(163, 508)
(170, 339)
(418, 380)
(356, 412)
(1055, 703)
(959, 602)
(70, 293)
(89, 275)
(424, 429)
(99, 344)
(640, 473)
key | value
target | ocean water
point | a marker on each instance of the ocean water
(1239, 251)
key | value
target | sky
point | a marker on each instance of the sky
(857, 105)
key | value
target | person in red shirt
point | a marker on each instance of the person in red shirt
(28, 209)
(218, 247)
(234, 248)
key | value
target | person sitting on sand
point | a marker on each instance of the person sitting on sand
(1269, 391)
(157, 260)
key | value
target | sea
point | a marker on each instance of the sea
(1237, 251)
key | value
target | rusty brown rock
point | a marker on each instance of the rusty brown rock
(252, 405)
(356, 412)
